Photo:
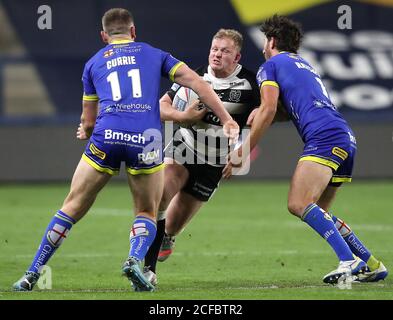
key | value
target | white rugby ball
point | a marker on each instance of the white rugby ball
(184, 97)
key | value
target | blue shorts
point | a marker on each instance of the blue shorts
(141, 152)
(335, 149)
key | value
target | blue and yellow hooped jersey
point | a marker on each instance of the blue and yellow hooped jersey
(303, 94)
(125, 78)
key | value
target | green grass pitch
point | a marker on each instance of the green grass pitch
(242, 245)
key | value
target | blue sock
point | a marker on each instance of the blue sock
(351, 239)
(142, 235)
(322, 223)
(56, 232)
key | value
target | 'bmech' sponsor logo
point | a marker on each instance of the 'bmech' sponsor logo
(121, 136)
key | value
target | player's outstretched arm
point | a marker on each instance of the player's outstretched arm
(265, 115)
(89, 116)
(169, 113)
(261, 122)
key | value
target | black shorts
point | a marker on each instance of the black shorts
(203, 178)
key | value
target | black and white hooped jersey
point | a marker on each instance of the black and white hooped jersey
(239, 93)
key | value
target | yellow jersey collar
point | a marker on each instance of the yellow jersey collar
(121, 41)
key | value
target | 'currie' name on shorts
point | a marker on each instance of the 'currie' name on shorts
(116, 135)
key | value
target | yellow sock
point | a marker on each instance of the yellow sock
(373, 263)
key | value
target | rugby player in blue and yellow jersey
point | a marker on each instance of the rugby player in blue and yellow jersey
(329, 150)
(121, 119)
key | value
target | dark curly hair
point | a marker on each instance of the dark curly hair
(288, 33)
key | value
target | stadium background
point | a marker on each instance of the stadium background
(40, 71)
(243, 244)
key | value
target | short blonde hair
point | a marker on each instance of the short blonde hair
(232, 34)
(117, 21)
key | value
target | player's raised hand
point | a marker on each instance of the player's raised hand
(231, 130)
(81, 134)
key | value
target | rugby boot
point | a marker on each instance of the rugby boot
(131, 269)
(347, 271)
(167, 246)
(27, 282)
(374, 276)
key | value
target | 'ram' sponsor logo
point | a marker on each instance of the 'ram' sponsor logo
(149, 157)
(121, 136)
